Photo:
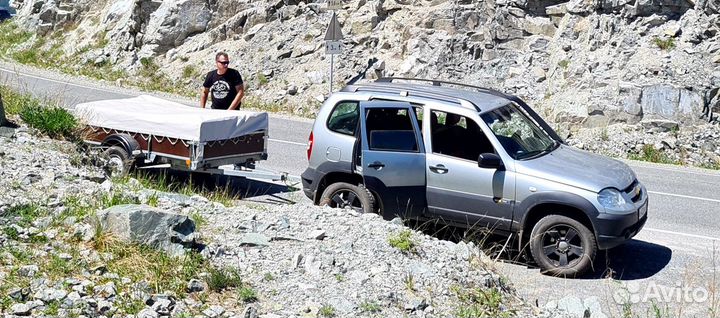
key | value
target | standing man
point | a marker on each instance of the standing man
(225, 84)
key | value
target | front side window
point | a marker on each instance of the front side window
(344, 118)
(390, 129)
(457, 136)
(518, 134)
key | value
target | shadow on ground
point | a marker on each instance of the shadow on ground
(633, 260)
(236, 187)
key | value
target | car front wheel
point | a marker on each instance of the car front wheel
(562, 246)
(348, 196)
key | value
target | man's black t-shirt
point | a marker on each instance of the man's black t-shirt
(222, 87)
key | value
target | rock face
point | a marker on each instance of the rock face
(149, 226)
(582, 62)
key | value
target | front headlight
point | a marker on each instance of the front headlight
(611, 198)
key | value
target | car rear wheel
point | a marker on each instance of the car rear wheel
(562, 246)
(118, 161)
(348, 196)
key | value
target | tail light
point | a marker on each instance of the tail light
(310, 145)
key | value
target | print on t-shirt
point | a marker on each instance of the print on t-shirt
(220, 89)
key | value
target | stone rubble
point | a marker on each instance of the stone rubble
(309, 257)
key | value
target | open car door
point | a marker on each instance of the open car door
(393, 157)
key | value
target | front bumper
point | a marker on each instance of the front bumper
(616, 229)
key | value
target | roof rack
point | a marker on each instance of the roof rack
(439, 83)
(424, 94)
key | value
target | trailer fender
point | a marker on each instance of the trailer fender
(125, 141)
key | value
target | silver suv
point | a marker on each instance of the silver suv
(471, 157)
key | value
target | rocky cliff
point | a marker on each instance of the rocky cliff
(585, 63)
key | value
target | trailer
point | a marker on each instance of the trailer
(147, 132)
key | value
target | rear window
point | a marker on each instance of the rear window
(344, 118)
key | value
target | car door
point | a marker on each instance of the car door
(457, 188)
(393, 157)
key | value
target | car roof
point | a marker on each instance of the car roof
(482, 99)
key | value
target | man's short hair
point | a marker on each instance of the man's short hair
(217, 56)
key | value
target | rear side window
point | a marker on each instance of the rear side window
(390, 129)
(344, 118)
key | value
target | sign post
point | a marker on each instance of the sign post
(333, 38)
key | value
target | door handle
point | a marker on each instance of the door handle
(439, 169)
(377, 165)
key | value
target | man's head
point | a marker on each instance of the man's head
(222, 61)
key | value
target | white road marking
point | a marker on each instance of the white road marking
(683, 234)
(685, 196)
(61, 82)
(679, 169)
(288, 142)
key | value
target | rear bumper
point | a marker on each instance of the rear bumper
(614, 230)
(310, 182)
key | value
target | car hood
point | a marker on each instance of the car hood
(579, 168)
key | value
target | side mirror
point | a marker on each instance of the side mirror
(490, 161)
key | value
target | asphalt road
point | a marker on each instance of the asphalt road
(677, 251)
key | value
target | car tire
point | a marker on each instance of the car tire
(344, 195)
(562, 246)
(118, 161)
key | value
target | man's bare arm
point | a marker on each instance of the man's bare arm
(203, 96)
(236, 102)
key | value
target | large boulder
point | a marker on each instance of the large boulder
(667, 102)
(172, 23)
(142, 224)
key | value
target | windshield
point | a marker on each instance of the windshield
(518, 134)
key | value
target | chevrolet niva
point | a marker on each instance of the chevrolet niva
(471, 156)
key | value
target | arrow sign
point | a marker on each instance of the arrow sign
(334, 31)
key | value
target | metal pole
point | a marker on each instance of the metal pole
(332, 66)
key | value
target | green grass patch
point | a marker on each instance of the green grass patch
(190, 71)
(11, 36)
(199, 219)
(564, 64)
(27, 213)
(54, 121)
(262, 79)
(369, 306)
(479, 302)
(141, 263)
(403, 241)
(220, 279)
(327, 311)
(247, 294)
(11, 233)
(268, 277)
(664, 44)
(118, 198)
(14, 101)
(57, 267)
(649, 153)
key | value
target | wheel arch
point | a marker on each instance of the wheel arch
(543, 204)
(124, 141)
(334, 177)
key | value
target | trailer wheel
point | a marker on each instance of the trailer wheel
(118, 161)
(348, 196)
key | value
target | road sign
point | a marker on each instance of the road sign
(333, 47)
(334, 30)
(334, 4)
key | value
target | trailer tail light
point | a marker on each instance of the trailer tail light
(310, 145)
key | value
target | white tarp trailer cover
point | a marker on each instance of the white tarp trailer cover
(151, 115)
